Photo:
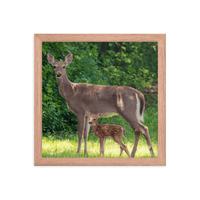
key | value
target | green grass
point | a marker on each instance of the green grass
(66, 147)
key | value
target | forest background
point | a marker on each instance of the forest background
(133, 64)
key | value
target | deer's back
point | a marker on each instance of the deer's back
(108, 130)
(101, 98)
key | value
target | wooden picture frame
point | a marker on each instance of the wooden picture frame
(38, 39)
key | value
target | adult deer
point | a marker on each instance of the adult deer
(110, 100)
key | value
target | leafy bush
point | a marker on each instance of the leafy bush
(132, 64)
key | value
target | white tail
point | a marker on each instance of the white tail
(139, 116)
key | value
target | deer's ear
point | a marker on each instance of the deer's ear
(100, 114)
(68, 58)
(88, 113)
(50, 59)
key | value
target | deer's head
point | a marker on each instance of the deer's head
(94, 118)
(59, 67)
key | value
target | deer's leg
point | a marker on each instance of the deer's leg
(121, 150)
(101, 147)
(122, 146)
(81, 124)
(144, 130)
(86, 131)
(137, 137)
(104, 145)
(126, 150)
(140, 128)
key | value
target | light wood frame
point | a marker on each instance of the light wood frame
(161, 160)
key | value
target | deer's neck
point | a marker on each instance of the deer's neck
(64, 86)
(95, 127)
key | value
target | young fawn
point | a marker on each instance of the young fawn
(113, 131)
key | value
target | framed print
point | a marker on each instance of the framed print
(100, 100)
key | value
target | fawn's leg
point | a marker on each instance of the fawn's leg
(121, 150)
(118, 140)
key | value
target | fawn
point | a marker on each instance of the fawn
(102, 131)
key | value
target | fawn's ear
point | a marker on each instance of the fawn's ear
(51, 59)
(68, 58)
(99, 114)
(88, 113)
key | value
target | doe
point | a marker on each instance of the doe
(103, 131)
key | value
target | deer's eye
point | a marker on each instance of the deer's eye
(63, 67)
(94, 119)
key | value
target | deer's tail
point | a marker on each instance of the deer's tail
(140, 103)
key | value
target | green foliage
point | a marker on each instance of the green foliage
(107, 63)
(129, 63)
(132, 64)
(151, 121)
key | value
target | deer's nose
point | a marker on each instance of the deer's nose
(90, 122)
(58, 74)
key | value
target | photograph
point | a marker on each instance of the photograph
(100, 102)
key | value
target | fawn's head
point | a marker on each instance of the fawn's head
(93, 119)
(59, 67)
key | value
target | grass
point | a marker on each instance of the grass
(66, 147)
